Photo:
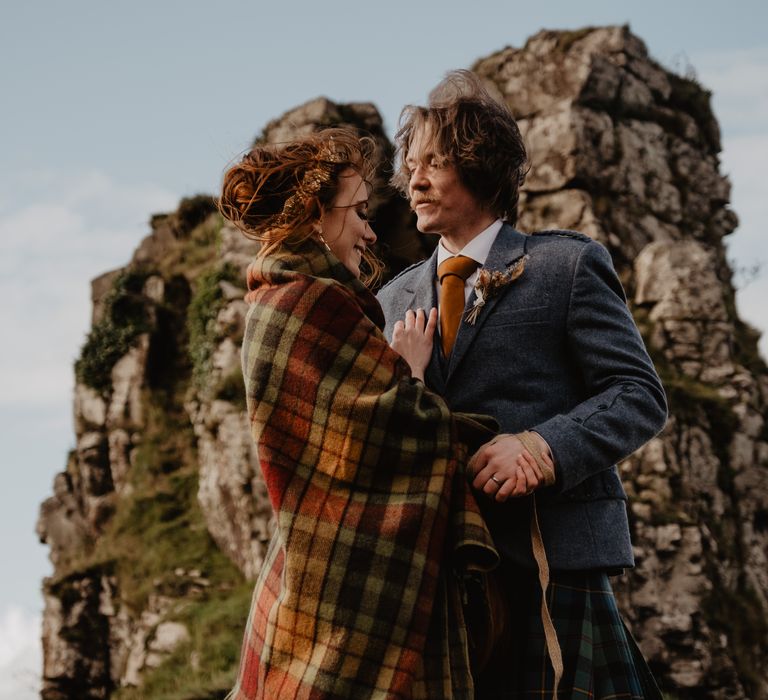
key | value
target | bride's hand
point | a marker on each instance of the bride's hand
(413, 337)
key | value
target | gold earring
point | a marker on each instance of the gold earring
(322, 240)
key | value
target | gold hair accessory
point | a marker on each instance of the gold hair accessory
(314, 178)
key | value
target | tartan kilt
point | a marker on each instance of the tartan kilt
(601, 660)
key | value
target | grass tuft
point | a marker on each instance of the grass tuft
(124, 319)
(207, 300)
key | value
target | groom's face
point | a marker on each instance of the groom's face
(442, 203)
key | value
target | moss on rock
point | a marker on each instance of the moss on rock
(207, 300)
(124, 319)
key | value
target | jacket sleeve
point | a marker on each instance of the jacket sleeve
(626, 405)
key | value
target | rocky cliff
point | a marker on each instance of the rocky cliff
(627, 152)
(158, 523)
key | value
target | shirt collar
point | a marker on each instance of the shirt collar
(477, 249)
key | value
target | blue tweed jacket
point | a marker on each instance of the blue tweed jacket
(557, 351)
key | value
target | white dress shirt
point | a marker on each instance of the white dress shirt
(477, 249)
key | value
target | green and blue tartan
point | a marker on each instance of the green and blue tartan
(601, 660)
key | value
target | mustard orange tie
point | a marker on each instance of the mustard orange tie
(452, 273)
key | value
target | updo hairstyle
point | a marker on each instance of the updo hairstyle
(278, 193)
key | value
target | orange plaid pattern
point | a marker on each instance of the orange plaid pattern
(358, 596)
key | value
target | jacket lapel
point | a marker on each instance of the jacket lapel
(508, 246)
(423, 290)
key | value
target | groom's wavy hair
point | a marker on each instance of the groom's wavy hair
(466, 127)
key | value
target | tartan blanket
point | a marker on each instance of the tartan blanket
(360, 593)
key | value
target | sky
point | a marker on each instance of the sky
(113, 111)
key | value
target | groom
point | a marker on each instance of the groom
(534, 330)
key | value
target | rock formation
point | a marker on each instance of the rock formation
(627, 152)
(158, 523)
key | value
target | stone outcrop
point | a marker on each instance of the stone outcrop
(159, 393)
(159, 522)
(89, 637)
(627, 152)
(232, 493)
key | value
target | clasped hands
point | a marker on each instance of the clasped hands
(503, 468)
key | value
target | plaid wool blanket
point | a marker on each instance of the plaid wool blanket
(360, 593)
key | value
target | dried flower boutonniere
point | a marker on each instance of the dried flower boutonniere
(490, 282)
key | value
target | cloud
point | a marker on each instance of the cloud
(744, 159)
(57, 232)
(740, 101)
(736, 78)
(20, 654)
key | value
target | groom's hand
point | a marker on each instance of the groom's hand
(504, 469)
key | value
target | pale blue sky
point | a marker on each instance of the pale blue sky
(114, 110)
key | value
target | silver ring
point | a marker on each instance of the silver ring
(496, 481)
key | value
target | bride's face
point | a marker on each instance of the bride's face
(345, 224)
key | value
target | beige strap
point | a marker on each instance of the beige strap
(540, 555)
(530, 444)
